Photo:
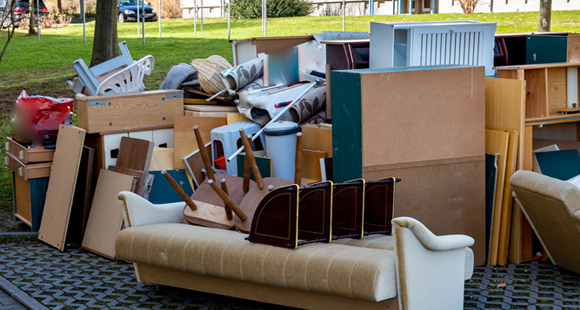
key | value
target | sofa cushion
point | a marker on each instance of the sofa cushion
(363, 273)
(386, 242)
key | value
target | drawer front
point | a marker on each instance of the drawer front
(28, 155)
(163, 137)
(31, 171)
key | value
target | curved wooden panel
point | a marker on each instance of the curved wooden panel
(275, 221)
(348, 209)
(315, 213)
(379, 206)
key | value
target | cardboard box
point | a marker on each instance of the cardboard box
(129, 112)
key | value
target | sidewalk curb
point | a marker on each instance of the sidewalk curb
(20, 296)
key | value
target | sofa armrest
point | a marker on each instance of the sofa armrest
(138, 211)
(577, 215)
(431, 270)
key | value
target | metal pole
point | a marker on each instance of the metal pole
(393, 7)
(159, 18)
(400, 6)
(38, 18)
(371, 7)
(84, 21)
(195, 17)
(265, 18)
(432, 6)
(229, 18)
(410, 7)
(201, 14)
(143, 22)
(138, 17)
(275, 118)
(343, 15)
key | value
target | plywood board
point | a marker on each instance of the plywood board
(236, 117)
(506, 213)
(162, 159)
(194, 164)
(184, 141)
(311, 164)
(496, 142)
(61, 187)
(135, 154)
(317, 137)
(142, 186)
(415, 114)
(537, 92)
(106, 217)
(444, 209)
(557, 90)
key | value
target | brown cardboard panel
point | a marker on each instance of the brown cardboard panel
(61, 187)
(184, 141)
(496, 142)
(317, 137)
(147, 110)
(106, 218)
(28, 155)
(415, 116)
(448, 196)
(135, 154)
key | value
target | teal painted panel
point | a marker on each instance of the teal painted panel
(162, 192)
(346, 125)
(38, 188)
(561, 165)
(264, 165)
(546, 49)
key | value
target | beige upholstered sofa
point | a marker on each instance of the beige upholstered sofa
(552, 207)
(425, 271)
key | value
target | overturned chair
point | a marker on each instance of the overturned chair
(423, 270)
(552, 207)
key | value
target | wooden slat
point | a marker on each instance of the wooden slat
(135, 154)
(106, 218)
(496, 142)
(539, 66)
(61, 187)
(184, 142)
(506, 216)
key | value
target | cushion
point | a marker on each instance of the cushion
(363, 273)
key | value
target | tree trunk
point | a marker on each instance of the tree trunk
(59, 6)
(105, 38)
(32, 14)
(545, 15)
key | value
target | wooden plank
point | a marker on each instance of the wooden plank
(490, 194)
(194, 164)
(184, 141)
(557, 90)
(162, 159)
(538, 66)
(328, 93)
(311, 164)
(317, 137)
(198, 101)
(82, 198)
(135, 154)
(506, 216)
(28, 155)
(206, 114)
(61, 187)
(210, 108)
(537, 93)
(496, 142)
(147, 110)
(106, 218)
(236, 117)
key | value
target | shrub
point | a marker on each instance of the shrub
(247, 9)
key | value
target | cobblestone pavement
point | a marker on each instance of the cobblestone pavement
(76, 279)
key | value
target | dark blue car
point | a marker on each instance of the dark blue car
(127, 11)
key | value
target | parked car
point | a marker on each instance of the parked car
(127, 11)
(21, 8)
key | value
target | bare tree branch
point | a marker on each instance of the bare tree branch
(10, 29)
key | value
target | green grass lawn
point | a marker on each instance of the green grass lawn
(43, 66)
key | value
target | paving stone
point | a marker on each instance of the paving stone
(75, 279)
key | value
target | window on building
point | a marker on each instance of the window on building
(427, 4)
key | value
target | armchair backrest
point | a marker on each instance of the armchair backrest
(138, 211)
(550, 206)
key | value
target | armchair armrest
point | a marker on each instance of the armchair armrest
(430, 269)
(577, 215)
(138, 211)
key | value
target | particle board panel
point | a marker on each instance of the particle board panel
(505, 102)
(28, 155)
(438, 131)
(135, 154)
(311, 164)
(161, 159)
(61, 187)
(536, 92)
(506, 216)
(106, 217)
(22, 209)
(133, 111)
(557, 90)
(141, 178)
(496, 142)
(444, 209)
(184, 136)
(317, 137)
